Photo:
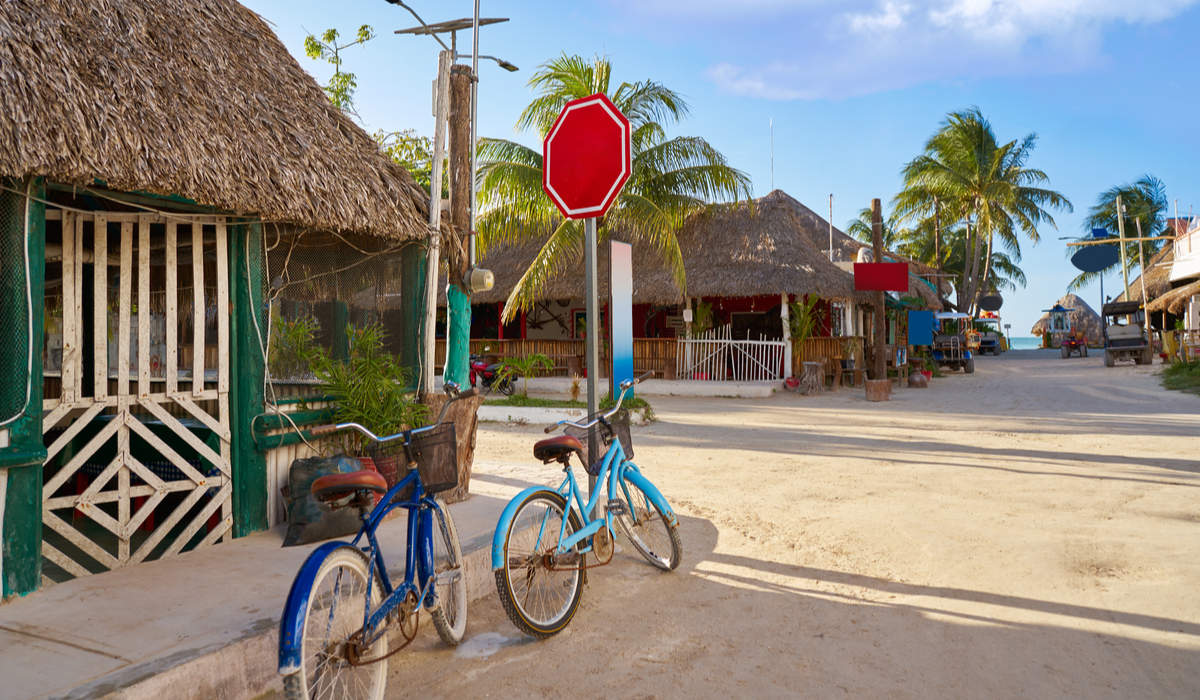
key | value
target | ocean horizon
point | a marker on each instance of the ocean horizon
(1025, 343)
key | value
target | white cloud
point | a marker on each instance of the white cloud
(809, 49)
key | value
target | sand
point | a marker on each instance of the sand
(1029, 531)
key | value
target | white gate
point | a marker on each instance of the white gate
(149, 500)
(715, 356)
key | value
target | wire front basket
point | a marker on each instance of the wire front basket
(619, 423)
(436, 455)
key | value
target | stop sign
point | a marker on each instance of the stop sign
(586, 157)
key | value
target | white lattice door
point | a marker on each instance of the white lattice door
(139, 462)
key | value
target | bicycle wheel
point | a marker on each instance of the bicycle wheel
(450, 616)
(539, 600)
(647, 528)
(506, 386)
(334, 615)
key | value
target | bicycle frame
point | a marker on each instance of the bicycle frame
(617, 470)
(418, 572)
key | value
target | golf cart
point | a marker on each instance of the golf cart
(952, 348)
(1125, 333)
(1071, 341)
(989, 335)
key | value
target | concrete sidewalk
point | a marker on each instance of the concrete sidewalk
(204, 625)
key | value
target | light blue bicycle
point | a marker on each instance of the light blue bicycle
(540, 548)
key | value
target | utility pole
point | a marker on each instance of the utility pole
(440, 107)
(458, 299)
(830, 228)
(1124, 259)
(879, 371)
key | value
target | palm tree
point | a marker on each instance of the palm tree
(977, 178)
(1145, 201)
(670, 179)
(860, 229)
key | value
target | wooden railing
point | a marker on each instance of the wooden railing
(829, 348)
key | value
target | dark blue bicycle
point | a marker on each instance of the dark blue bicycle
(343, 604)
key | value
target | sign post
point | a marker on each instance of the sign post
(586, 159)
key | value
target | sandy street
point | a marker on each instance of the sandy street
(1029, 531)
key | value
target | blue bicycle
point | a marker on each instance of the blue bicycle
(540, 548)
(343, 604)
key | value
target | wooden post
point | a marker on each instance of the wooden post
(1124, 258)
(458, 300)
(878, 371)
(784, 315)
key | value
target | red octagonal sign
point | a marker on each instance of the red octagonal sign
(587, 157)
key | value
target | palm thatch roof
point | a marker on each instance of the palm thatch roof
(192, 98)
(1174, 301)
(736, 251)
(1158, 276)
(1083, 317)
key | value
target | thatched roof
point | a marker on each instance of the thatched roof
(735, 251)
(1158, 277)
(1083, 317)
(188, 98)
(1174, 301)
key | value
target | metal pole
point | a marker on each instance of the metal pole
(830, 228)
(440, 107)
(593, 331)
(880, 371)
(1124, 260)
(474, 132)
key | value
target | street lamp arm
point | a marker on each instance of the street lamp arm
(499, 61)
(414, 14)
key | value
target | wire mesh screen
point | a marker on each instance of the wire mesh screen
(323, 287)
(14, 304)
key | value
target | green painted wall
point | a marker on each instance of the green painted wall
(247, 368)
(22, 513)
(412, 311)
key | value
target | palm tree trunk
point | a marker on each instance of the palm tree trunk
(973, 283)
(987, 268)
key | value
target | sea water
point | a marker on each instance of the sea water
(1026, 343)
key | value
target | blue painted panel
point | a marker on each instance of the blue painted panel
(620, 310)
(920, 328)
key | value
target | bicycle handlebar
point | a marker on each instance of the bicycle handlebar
(451, 389)
(625, 386)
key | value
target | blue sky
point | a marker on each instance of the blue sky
(854, 87)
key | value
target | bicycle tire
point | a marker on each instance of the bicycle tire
(647, 529)
(340, 589)
(532, 532)
(450, 615)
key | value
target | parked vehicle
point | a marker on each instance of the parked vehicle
(541, 545)
(1125, 335)
(990, 336)
(488, 376)
(951, 348)
(333, 636)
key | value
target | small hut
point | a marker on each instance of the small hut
(145, 149)
(1083, 318)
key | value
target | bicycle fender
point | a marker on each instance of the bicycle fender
(506, 518)
(653, 494)
(291, 624)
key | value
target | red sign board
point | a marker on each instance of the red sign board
(887, 277)
(587, 157)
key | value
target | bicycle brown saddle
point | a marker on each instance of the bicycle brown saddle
(331, 487)
(558, 449)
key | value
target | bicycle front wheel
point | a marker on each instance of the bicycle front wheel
(334, 616)
(647, 528)
(539, 590)
(450, 616)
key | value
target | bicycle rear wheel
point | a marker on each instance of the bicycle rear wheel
(647, 528)
(539, 600)
(333, 617)
(450, 616)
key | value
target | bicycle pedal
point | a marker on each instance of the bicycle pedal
(616, 506)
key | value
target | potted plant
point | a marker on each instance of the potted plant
(369, 387)
(849, 352)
